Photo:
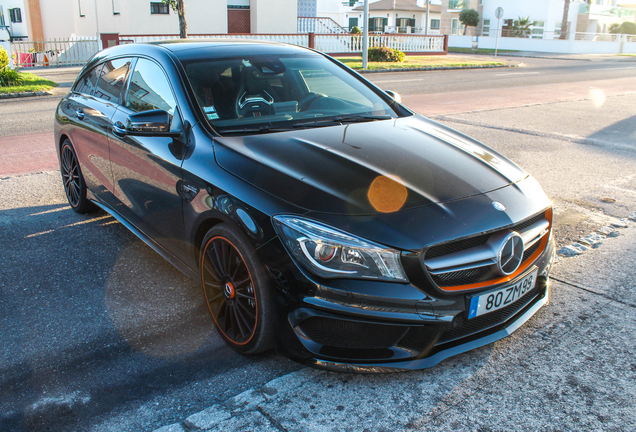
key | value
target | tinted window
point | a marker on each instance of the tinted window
(112, 79)
(86, 84)
(149, 89)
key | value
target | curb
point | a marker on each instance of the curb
(499, 54)
(362, 71)
(595, 239)
(244, 410)
(24, 94)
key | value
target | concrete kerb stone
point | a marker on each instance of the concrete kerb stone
(247, 404)
(434, 68)
(24, 94)
(595, 239)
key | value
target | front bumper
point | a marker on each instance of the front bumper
(357, 330)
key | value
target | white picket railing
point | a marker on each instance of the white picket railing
(294, 39)
(319, 25)
(54, 52)
(332, 44)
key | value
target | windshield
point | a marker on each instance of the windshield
(269, 93)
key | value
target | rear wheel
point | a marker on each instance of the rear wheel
(74, 185)
(237, 290)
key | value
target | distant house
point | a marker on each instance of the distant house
(384, 15)
(48, 19)
(12, 20)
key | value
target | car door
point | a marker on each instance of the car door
(147, 169)
(91, 106)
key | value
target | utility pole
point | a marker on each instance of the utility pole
(428, 3)
(365, 35)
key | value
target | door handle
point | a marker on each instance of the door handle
(79, 114)
(119, 129)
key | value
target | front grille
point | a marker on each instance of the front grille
(477, 274)
(351, 334)
(465, 277)
(460, 245)
(489, 320)
(449, 248)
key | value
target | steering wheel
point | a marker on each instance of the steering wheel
(305, 103)
(254, 105)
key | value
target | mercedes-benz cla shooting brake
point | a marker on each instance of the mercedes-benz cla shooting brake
(319, 215)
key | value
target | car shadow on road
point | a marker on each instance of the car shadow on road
(94, 320)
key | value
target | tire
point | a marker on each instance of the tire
(74, 185)
(237, 290)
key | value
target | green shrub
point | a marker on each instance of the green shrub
(10, 77)
(384, 54)
(355, 30)
(4, 59)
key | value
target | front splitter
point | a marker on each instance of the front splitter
(433, 360)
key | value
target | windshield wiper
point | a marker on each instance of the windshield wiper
(260, 129)
(341, 120)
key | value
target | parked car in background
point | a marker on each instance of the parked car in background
(319, 214)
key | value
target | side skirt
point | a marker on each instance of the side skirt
(180, 265)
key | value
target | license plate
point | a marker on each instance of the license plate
(500, 298)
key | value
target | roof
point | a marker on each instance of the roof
(399, 5)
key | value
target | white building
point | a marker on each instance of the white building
(48, 19)
(385, 15)
(12, 19)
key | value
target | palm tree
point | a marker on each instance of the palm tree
(564, 20)
(521, 27)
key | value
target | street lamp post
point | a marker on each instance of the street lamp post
(365, 35)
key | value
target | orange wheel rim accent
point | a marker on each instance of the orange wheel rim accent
(229, 290)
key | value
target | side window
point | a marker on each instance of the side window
(86, 84)
(112, 79)
(149, 89)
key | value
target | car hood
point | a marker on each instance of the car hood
(367, 168)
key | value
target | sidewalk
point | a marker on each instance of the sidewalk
(552, 56)
(571, 367)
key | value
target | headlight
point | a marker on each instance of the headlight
(331, 253)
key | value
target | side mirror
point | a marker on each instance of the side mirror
(394, 95)
(150, 123)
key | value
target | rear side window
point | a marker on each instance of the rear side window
(86, 84)
(112, 79)
(149, 89)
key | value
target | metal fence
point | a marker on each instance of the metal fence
(341, 44)
(328, 43)
(54, 52)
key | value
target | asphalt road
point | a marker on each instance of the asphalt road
(99, 333)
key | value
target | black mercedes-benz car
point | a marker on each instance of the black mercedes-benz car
(319, 214)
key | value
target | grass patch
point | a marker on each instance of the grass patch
(417, 62)
(32, 83)
(628, 55)
(479, 51)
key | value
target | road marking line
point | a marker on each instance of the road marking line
(399, 80)
(517, 73)
(614, 68)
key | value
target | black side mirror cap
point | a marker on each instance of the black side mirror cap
(150, 123)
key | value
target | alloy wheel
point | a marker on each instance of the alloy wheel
(229, 290)
(71, 176)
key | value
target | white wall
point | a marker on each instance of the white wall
(17, 29)
(274, 16)
(544, 45)
(550, 11)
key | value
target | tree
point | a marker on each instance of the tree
(564, 20)
(521, 27)
(469, 17)
(624, 28)
(178, 6)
